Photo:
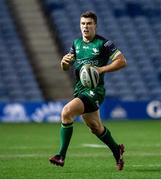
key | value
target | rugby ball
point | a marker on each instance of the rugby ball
(89, 76)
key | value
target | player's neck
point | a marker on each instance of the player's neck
(88, 39)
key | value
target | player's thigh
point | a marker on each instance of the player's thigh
(73, 108)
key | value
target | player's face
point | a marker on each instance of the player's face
(88, 28)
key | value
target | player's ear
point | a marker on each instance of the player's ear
(95, 28)
(96, 25)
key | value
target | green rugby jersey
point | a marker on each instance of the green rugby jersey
(97, 52)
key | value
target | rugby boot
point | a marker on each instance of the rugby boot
(119, 160)
(57, 160)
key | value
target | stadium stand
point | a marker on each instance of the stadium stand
(41, 45)
(28, 56)
(17, 80)
(135, 28)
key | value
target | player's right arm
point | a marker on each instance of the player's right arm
(68, 58)
(66, 61)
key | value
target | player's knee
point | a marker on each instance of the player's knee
(95, 129)
(66, 115)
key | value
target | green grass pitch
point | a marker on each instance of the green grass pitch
(25, 148)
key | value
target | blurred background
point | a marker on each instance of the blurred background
(35, 34)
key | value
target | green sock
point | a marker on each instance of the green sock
(65, 136)
(110, 142)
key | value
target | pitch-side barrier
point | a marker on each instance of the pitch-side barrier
(50, 111)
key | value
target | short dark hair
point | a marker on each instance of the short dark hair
(89, 14)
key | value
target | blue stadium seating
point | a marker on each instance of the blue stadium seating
(135, 28)
(17, 81)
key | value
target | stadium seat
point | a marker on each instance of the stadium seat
(14, 62)
(128, 24)
(134, 26)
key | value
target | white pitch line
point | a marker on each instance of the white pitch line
(108, 154)
(146, 165)
(4, 156)
(23, 147)
(127, 153)
(145, 145)
(94, 145)
(133, 145)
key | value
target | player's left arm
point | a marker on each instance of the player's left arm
(118, 62)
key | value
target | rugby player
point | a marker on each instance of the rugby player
(93, 49)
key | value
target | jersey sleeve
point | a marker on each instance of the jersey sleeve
(111, 50)
(72, 49)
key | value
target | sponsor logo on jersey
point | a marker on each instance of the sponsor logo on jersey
(108, 43)
(85, 47)
(91, 93)
(95, 51)
(77, 49)
(93, 62)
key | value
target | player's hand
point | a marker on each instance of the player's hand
(67, 58)
(99, 69)
(65, 62)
